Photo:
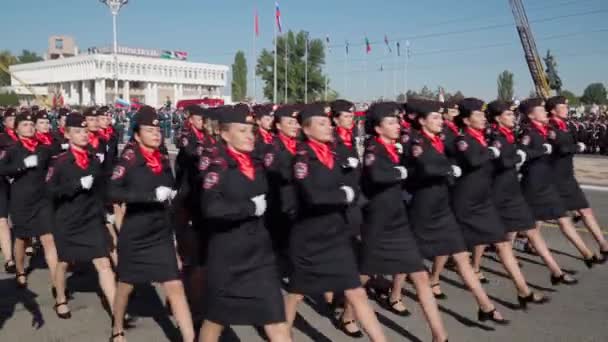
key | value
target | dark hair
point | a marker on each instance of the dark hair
(416, 122)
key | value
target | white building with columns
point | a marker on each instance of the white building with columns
(88, 79)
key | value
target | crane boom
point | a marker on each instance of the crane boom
(530, 51)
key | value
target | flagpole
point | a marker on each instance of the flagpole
(275, 89)
(395, 75)
(407, 60)
(365, 74)
(346, 76)
(327, 68)
(306, 69)
(255, 18)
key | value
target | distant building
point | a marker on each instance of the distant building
(153, 77)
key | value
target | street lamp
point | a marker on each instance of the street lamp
(115, 6)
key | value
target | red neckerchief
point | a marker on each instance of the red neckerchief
(152, 159)
(451, 125)
(30, 144)
(199, 135)
(561, 124)
(104, 133)
(266, 136)
(435, 141)
(11, 133)
(61, 131)
(405, 124)
(94, 139)
(323, 152)
(508, 133)
(290, 143)
(477, 135)
(81, 156)
(243, 160)
(44, 138)
(542, 129)
(110, 130)
(346, 135)
(390, 148)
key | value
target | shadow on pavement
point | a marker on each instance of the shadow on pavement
(11, 297)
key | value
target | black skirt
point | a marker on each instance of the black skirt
(571, 194)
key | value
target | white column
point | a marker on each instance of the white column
(199, 91)
(86, 93)
(125, 90)
(103, 98)
(154, 95)
(180, 92)
(97, 96)
(74, 96)
(148, 93)
(175, 94)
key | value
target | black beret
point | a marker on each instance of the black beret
(23, 116)
(469, 105)
(423, 106)
(210, 113)
(147, 116)
(261, 110)
(527, 106)
(497, 107)
(451, 104)
(90, 111)
(103, 110)
(194, 110)
(75, 120)
(315, 109)
(41, 115)
(552, 102)
(10, 112)
(339, 106)
(35, 108)
(62, 112)
(237, 114)
(378, 111)
(290, 111)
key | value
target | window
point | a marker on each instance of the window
(59, 43)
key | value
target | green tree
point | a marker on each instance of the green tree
(9, 99)
(28, 56)
(594, 93)
(457, 97)
(239, 77)
(295, 52)
(6, 60)
(505, 86)
(573, 100)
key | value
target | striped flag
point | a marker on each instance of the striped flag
(278, 16)
(256, 24)
(398, 49)
(327, 43)
(347, 47)
(388, 46)
(368, 46)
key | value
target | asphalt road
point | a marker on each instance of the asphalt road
(578, 313)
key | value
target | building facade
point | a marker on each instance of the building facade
(88, 79)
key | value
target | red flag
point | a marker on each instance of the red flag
(257, 24)
(368, 46)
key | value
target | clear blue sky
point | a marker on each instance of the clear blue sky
(211, 31)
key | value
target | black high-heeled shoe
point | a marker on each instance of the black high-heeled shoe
(482, 278)
(390, 306)
(21, 285)
(523, 301)
(483, 316)
(589, 262)
(353, 334)
(118, 334)
(561, 279)
(65, 315)
(10, 267)
(438, 295)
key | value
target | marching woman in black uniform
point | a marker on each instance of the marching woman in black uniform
(538, 187)
(320, 250)
(8, 138)
(472, 197)
(451, 131)
(59, 133)
(73, 183)
(433, 223)
(25, 164)
(263, 138)
(146, 249)
(507, 196)
(42, 125)
(243, 286)
(565, 146)
(389, 246)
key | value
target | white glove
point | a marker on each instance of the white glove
(350, 193)
(260, 204)
(86, 182)
(31, 161)
(173, 194)
(581, 147)
(456, 171)
(523, 156)
(402, 172)
(352, 163)
(495, 152)
(65, 146)
(548, 148)
(162, 193)
(101, 157)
